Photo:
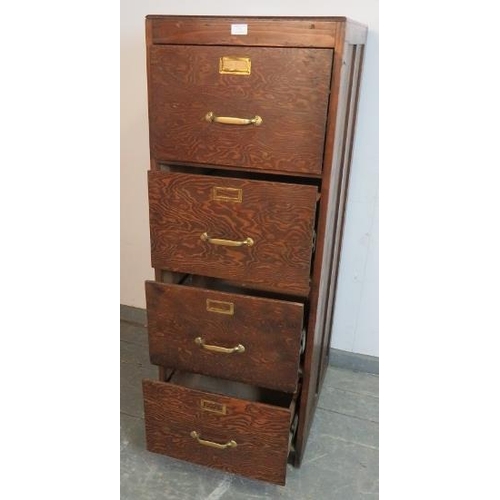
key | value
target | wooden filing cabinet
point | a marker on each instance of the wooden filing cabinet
(251, 124)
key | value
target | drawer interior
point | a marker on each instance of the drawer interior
(233, 172)
(225, 285)
(234, 389)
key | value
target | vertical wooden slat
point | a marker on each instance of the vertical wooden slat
(339, 154)
(154, 166)
(325, 236)
(346, 77)
(340, 212)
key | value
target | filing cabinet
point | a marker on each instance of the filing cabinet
(251, 124)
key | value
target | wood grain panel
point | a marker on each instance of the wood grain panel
(278, 217)
(261, 431)
(287, 88)
(270, 331)
(313, 32)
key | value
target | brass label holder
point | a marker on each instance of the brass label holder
(220, 307)
(227, 194)
(213, 406)
(231, 65)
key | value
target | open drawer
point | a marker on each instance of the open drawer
(244, 431)
(258, 233)
(233, 336)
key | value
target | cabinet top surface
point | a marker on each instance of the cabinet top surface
(336, 19)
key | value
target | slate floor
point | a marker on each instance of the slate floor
(340, 462)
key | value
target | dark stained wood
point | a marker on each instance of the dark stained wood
(155, 165)
(183, 84)
(270, 331)
(239, 171)
(287, 88)
(336, 200)
(281, 32)
(261, 431)
(343, 83)
(357, 63)
(278, 217)
(164, 373)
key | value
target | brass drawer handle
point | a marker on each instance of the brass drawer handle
(229, 444)
(215, 348)
(231, 120)
(227, 243)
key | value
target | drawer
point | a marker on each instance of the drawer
(287, 88)
(237, 337)
(257, 233)
(241, 436)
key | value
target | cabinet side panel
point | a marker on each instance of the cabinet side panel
(346, 168)
(336, 157)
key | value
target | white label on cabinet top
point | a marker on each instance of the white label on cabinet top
(239, 29)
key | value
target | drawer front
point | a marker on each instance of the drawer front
(183, 423)
(288, 88)
(247, 339)
(196, 220)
